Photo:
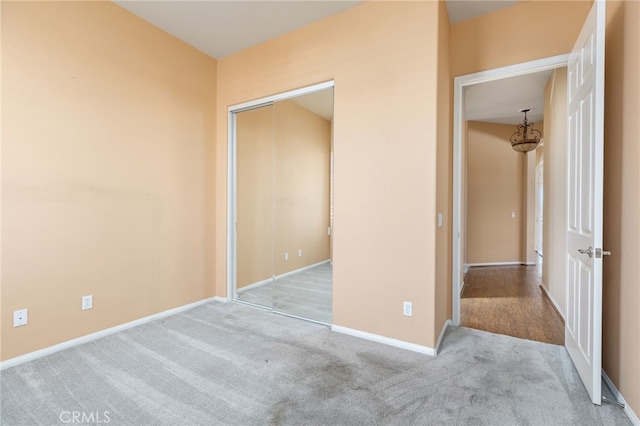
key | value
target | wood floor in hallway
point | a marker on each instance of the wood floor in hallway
(509, 300)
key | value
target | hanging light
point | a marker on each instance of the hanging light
(526, 138)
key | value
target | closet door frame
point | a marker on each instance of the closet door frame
(232, 171)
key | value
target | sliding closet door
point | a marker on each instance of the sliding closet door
(255, 206)
(302, 158)
(283, 205)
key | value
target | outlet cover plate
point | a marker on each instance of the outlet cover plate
(407, 309)
(87, 302)
(20, 318)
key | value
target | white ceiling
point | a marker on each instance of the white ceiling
(499, 101)
(220, 28)
(461, 10)
(223, 27)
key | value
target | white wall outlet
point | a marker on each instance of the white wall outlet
(20, 317)
(407, 308)
(299, 252)
(513, 215)
(439, 220)
(87, 302)
(286, 256)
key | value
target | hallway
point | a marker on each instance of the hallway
(508, 300)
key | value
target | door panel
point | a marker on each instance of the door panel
(583, 336)
(254, 264)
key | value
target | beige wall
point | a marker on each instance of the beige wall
(385, 153)
(108, 129)
(621, 322)
(282, 190)
(444, 175)
(497, 39)
(554, 245)
(494, 192)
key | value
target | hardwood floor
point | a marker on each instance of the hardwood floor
(508, 300)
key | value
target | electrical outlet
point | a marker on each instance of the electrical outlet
(87, 302)
(20, 318)
(286, 256)
(407, 309)
(300, 253)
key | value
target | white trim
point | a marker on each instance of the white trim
(304, 268)
(473, 265)
(619, 398)
(282, 96)
(385, 340)
(555, 303)
(12, 362)
(231, 205)
(231, 168)
(254, 285)
(442, 331)
(459, 84)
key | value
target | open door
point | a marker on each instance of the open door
(583, 334)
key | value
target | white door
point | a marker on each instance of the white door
(583, 334)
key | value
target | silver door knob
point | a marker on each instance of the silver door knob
(588, 251)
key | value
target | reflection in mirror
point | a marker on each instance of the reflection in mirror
(284, 192)
(303, 284)
(254, 204)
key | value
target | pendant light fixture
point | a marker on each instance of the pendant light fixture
(526, 138)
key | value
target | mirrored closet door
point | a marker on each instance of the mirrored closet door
(284, 193)
(255, 206)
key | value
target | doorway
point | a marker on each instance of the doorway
(280, 182)
(511, 270)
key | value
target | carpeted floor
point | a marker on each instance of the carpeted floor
(306, 294)
(230, 364)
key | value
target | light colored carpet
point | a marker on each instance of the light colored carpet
(306, 294)
(229, 364)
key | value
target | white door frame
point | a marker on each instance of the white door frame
(458, 120)
(232, 172)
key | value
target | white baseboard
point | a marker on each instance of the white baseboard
(618, 397)
(442, 331)
(12, 362)
(465, 268)
(548, 293)
(286, 274)
(254, 285)
(471, 265)
(385, 340)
